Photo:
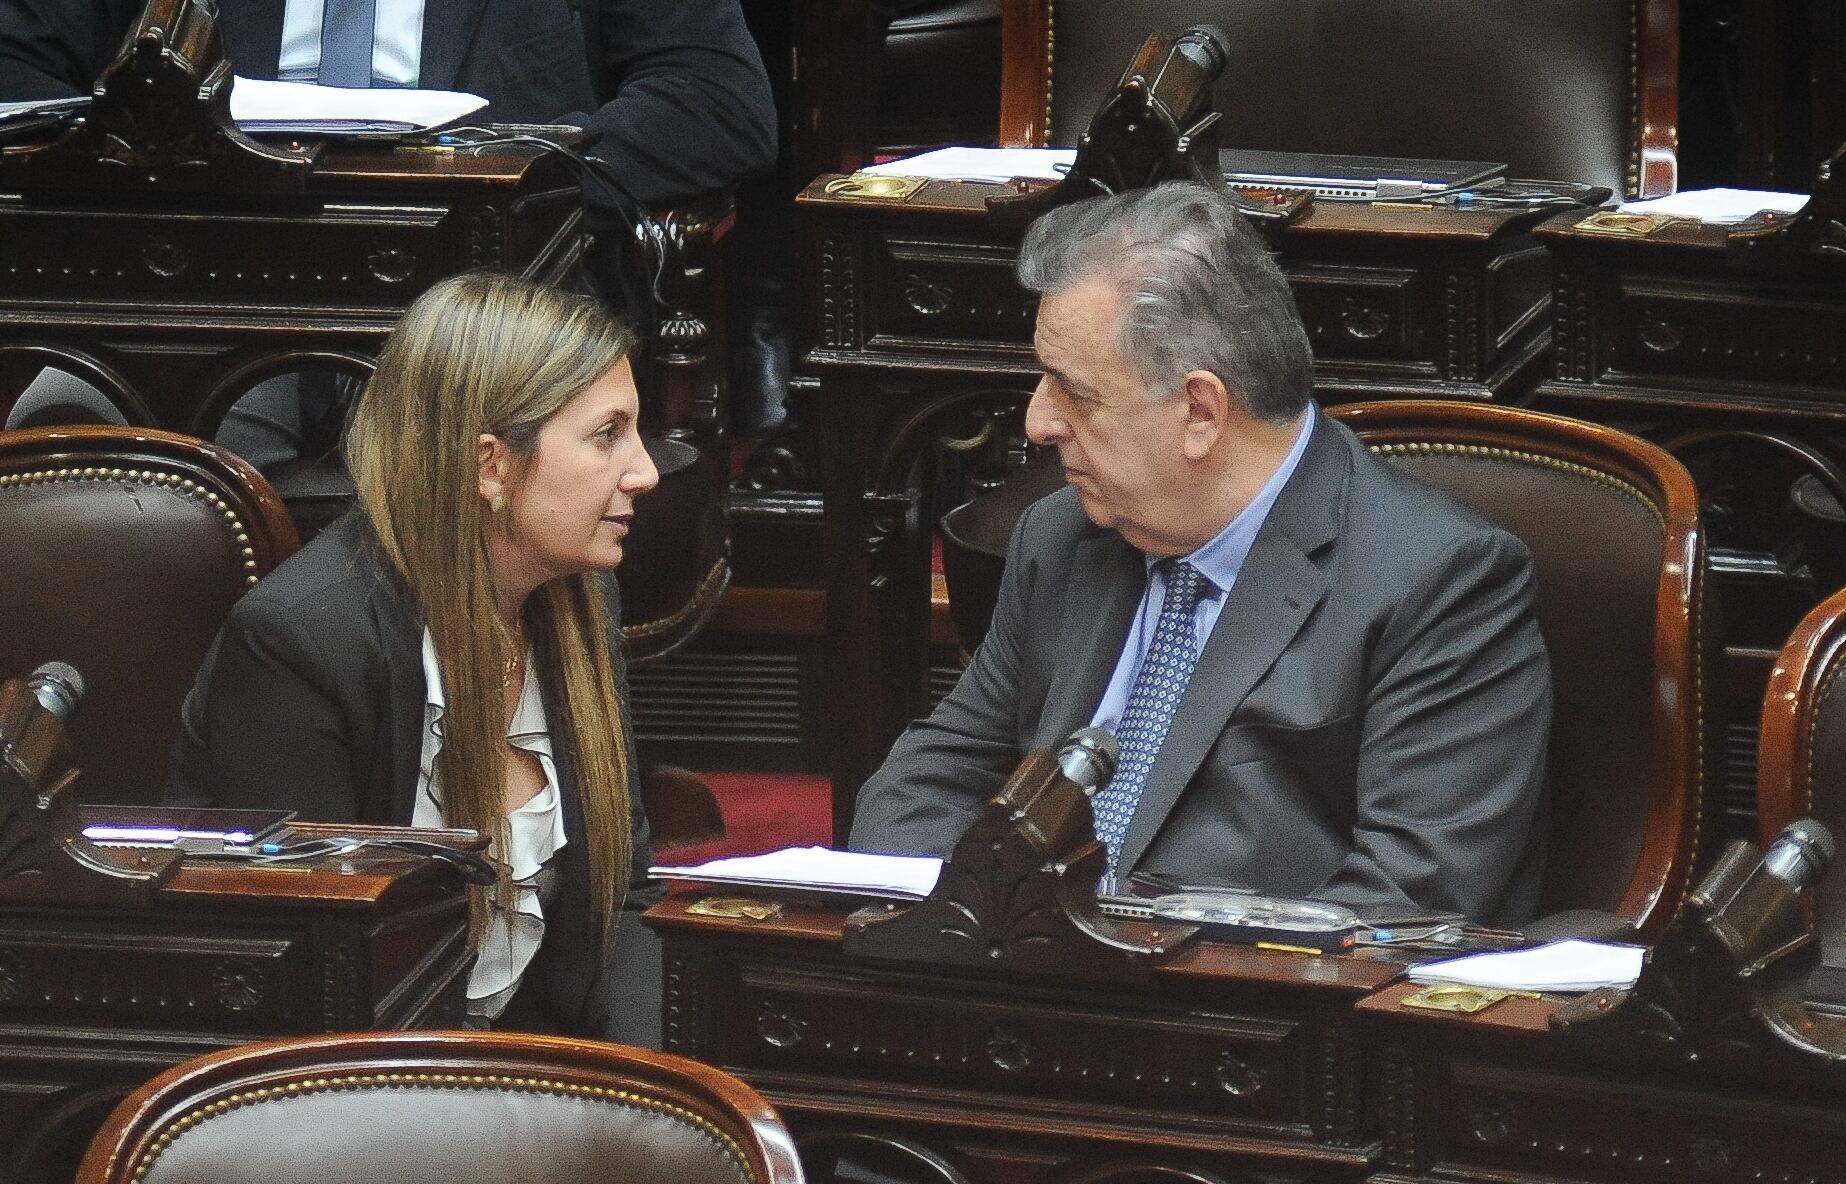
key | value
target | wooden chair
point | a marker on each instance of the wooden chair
(441, 1108)
(121, 552)
(1573, 90)
(1612, 522)
(1801, 756)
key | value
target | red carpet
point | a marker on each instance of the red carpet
(763, 811)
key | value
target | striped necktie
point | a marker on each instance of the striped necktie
(346, 42)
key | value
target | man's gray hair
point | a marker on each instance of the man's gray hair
(1200, 290)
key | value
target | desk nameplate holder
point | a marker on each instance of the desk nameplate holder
(1018, 895)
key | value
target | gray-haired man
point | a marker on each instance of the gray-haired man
(1326, 677)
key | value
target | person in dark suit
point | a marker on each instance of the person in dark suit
(688, 108)
(688, 111)
(443, 655)
(1356, 707)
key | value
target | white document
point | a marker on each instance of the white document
(1557, 966)
(302, 108)
(1720, 207)
(817, 869)
(994, 165)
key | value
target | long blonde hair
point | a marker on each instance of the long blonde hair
(486, 352)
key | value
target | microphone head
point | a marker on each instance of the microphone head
(1089, 758)
(58, 687)
(1799, 855)
(1208, 45)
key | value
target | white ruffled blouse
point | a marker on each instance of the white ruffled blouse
(535, 832)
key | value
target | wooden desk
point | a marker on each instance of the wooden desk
(94, 1001)
(1234, 1062)
(1497, 1096)
(919, 331)
(176, 312)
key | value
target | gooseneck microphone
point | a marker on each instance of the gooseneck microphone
(58, 687)
(1088, 758)
(1799, 855)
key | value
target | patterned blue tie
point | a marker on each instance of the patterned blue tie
(346, 43)
(1158, 687)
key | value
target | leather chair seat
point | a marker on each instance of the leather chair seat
(122, 551)
(441, 1108)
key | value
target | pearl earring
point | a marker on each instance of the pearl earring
(497, 503)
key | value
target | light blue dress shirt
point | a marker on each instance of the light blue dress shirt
(1219, 560)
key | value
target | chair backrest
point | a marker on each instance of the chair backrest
(1801, 753)
(1612, 524)
(441, 1108)
(121, 552)
(1574, 90)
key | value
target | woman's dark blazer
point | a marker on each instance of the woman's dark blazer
(311, 699)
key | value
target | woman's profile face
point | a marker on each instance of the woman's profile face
(575, 503)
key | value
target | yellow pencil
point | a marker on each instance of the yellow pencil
(1276, 945)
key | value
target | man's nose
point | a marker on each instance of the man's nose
(1042, 424)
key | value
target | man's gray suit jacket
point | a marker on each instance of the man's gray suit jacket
(1366, 724)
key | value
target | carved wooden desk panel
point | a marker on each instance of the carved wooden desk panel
(94, 1001)
(918, 325)
(1231, 1061)
(1496, 1096)
(175, 312)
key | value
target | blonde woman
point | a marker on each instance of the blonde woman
(443, 656)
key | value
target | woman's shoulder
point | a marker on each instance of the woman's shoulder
(340, 572)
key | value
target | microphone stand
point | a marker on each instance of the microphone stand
(43, 854)
(1159, 124)
(1018, 894)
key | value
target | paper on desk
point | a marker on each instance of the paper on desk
(817, 869)
(1720, 207)
(1557, 966)
(994, 165)
(302, 108)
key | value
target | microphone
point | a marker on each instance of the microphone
(1799, 855)
(1088, 758)
(57, 686)
(1205, 47)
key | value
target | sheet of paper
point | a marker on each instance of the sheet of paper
(995, 165)
(1721, 207)
(302, 108)
(1557, 966)
(819, 868)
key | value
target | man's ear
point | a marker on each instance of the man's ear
(492, 453)
(1209, 405)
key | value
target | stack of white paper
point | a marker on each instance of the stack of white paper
(995, 165)
(817, 869)
(1720, 207)
(1557, 966)
(301, 108)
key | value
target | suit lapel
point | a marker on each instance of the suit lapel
(252, 32)
(448, 31)
(402, 635)
(1107, 578)
(1277, 589)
